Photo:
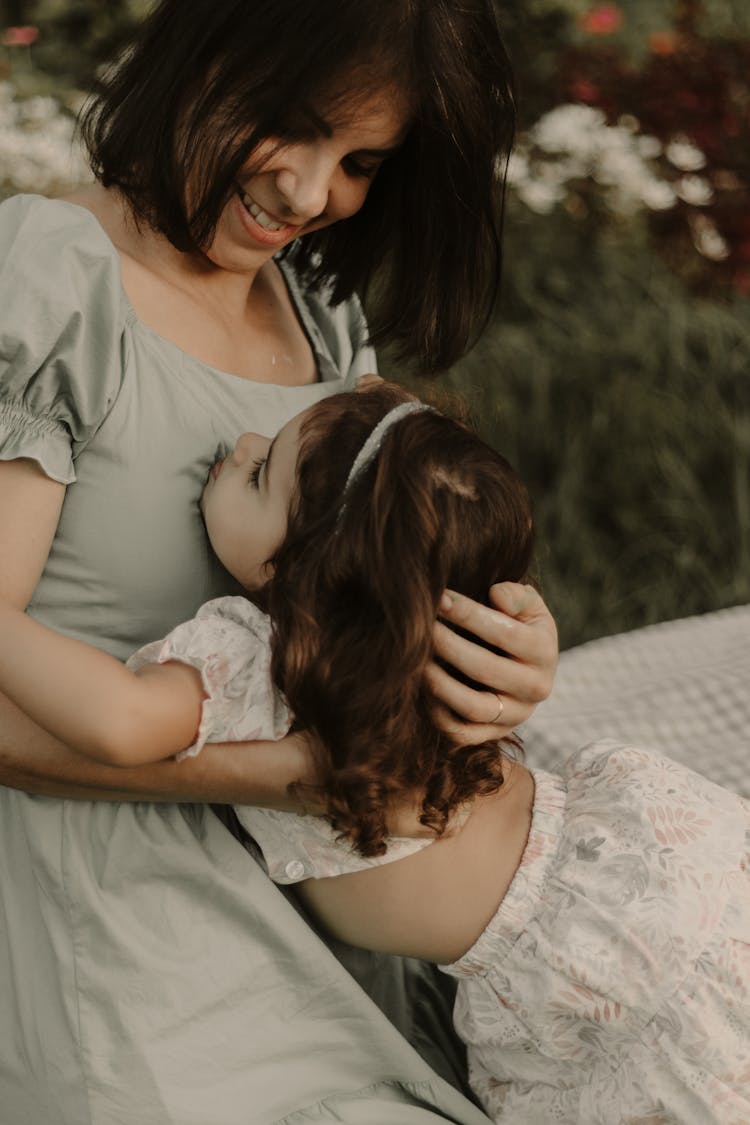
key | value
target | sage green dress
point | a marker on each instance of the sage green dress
(150, 972)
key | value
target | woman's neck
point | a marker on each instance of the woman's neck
(243, 323)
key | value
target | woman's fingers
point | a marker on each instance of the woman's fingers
(528, 641)
(512, 681)
(473, 706)
(467, 733)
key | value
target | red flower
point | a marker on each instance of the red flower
(741, 281)
(584, 91)
(604, 19)
(20, 36)
(663, 43)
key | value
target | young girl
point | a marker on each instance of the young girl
(598, 922)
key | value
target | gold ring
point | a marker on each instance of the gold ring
(502, 708)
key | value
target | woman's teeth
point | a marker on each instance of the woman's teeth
(261, 218)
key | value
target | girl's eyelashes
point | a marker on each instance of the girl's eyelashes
(254, 476)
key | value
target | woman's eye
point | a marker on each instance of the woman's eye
(254, 476)
(363, 168)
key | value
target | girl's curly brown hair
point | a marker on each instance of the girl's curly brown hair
(354, 598)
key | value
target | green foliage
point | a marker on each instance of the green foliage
(625, 405)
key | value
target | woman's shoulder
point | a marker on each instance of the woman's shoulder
(56, 256)
(33, 223)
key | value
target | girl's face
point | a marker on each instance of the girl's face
(307, 183)
(247, 499)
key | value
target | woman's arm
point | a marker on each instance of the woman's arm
(91, 701)
(521, 625)
(74, 691)
(252, 773)
(33, 760)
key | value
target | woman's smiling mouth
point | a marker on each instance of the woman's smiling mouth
(260, 224)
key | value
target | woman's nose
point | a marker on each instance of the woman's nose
(250, 445)
(303, 180)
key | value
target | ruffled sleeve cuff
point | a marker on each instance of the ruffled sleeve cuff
(229, 643)
(42, 439)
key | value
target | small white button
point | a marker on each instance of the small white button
(295, 870)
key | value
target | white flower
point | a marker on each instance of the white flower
(649, 147)
(683, 154)
(541, 196)
(708, 241)
(38, 148)
(657, 195)
(695, 190)
(569, 128)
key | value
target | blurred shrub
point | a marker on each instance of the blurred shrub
(624, 402)
(76, 36)
(38, 149)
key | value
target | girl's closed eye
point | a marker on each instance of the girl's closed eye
(254, 477)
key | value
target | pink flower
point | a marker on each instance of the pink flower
(604, 19)
(20, 36)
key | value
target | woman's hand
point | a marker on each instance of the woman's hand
(521, 625)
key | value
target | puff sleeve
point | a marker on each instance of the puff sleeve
(229, 643)
(62, 318)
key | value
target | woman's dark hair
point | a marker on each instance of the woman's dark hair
(206, 81)
(354, 598)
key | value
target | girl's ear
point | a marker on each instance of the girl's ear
(367, 382)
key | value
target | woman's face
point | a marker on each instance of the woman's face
(247, 499)
(306, 183)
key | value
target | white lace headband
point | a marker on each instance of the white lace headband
(371, 448)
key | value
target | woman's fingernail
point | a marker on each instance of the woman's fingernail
(446, 602)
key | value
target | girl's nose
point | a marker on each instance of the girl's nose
(303, 180)
(250, 445)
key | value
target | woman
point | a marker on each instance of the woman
(149, 971)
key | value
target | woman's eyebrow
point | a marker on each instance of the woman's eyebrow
(327, 130)
(380, 153)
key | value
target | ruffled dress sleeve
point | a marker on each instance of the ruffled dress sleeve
(229, 643)
(62, 319)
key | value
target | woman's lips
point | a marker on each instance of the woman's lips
(261, 226)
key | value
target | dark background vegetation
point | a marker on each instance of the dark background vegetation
(615, 373)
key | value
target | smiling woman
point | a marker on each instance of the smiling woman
(259, 164)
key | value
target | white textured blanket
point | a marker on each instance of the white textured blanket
(681, 687)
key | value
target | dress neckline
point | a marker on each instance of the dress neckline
(324, 362)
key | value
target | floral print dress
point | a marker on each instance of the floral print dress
(612, 986)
